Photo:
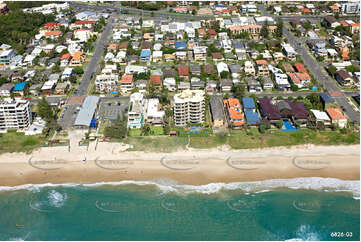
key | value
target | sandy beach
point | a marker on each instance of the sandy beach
(195, 167)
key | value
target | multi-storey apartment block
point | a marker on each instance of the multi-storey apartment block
(15, 114)
(189, 107)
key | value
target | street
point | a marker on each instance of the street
(316, 70)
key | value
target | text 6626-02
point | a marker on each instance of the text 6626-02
(341, 234)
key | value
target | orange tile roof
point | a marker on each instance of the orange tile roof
(335, 113)
(261, 62)
(300, 68)
(84, 22)
(235, 111)
(155, 80)
(53, 33)
(126, 79)
(306, 10)
(355, 25)
(66, 56)
(344, 23)
(272, 27)
(112, 47)
(303, 76)
(201, 31)
(78, 55)
(333, 7)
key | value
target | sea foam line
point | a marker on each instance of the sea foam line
(308, 183)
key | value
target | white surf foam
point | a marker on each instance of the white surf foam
(309, 183)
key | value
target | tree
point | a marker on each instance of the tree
(224, 74)
(279, 30)
(78, 70)
(279, 124)
(194, 12)
(265, 30)
(294, 87)
(44, 110)
(332, 70)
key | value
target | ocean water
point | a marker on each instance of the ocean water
(169, 211)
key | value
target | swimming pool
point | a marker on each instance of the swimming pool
(288, 126)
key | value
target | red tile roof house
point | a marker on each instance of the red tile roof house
(155, 80)
(126, 83)
(300, 68)
(84, 24)
(51, 26)
(183, 71)
(300, 79)
(212, 33)
(53, 34)
(201, 33)
(65, 59)
(262, 67)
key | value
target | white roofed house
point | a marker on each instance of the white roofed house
(6, 56)
(249, 68)
(289, 51)
(200, 53)
(170, 83)
(157, 56)
(109, 57)
(136, 111)
(222, 67)
(121, 58)
(67, 73)
(320, 117)
(154, 114)
(83, 34)
(282, 81)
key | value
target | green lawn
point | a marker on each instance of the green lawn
(157, 144)
(134, 132)
(19, 142)
(240, 139)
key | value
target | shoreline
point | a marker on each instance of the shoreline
(195, 167)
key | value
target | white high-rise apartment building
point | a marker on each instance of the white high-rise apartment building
(15, 114)
(189, 107)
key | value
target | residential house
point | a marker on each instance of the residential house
(281, 81)
(262, 68)
(157, 56)
(145, 55)
(183, 72)
(200, 53)
(249, 68)
(195, 69)
(21, 88)
(343, 78)
(78, 59)
(226, 85)
(216, 109)
(234, 113)
(154, 115)
(6, 89)
(331, 21)
(289, 51)
(268, 110)
(337, 117)
(169, 83)
(321, 117)
(62, 88)
(267, 83)
(136, 111)
(126, 83)
(155, 80)
(222, 67)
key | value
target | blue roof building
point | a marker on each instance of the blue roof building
(179, 45)
(326, 98)
(20, 87)
(248, 103)
(145, 54)
(252, 117)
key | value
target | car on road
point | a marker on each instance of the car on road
(343, 108)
